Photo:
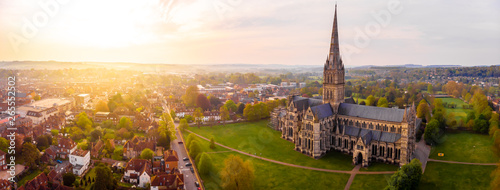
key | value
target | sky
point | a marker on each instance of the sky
(291, 32)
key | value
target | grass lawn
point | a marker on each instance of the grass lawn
(205, 145)
(459, 112)
(465, 147)
(375, 182)
(455, 176)
(377, 166)
(274, 176)
(28, 177)
(257, 138)
(90, 174)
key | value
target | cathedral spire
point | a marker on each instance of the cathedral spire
(334, 59)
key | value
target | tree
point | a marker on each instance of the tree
(147, 154)
(172, 114)
(231, 106)
(224, 114)
(30, 154)
(467, 97)
(481, 124)
(4, 144)
(43, 142)
(203, 102)
(495, 175)
(430, 89)
(95, 135)
(205, 164)
(237, 174)
(191, 137)
(382, 102)
(212, 143)
(83, 121)
(101, 106)
(431, 132)
(68, 179)
(423, 110)
(370, 101)
(126, 123)
(164, 140)
(198, 115)
(117, 154)
(189, 98)
(241, 107)
(251, 113)
(183, 125)
(194, 149)
(407, 177)
(104, 179)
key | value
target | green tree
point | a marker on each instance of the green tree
(251, 113)
(101, 106)
(118, 154)
(104, 179)
(241, 107)
(430, 89)
(370, 101)
(231, 106)
(198, 115)
(189, 98)
(431, 132)
(68, 179)
(237, 174)
(194, 149)
(43, 142)
(205, 164)
(172, 114)
(467, 97)
(407, 177)
(4, 144)
(203, 102)
(147, 154)
(183, 125)
(95, 135)
(224, 114)
(212, 143)
(126, 123)
(30, 154)
(382, 102)
(190, 138)
(423, 110)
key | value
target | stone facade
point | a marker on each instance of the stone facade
(322, 124)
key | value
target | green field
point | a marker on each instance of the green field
(275, 176)
(459, 112)
(257, 138)
(465, 147)
(455, 176)
(377, 166)
(375, 182)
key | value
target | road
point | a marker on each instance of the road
(189, 177)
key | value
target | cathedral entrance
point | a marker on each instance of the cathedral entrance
(360, 158)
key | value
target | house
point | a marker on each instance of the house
(133, 148)
(40, 182)
(5, 184)
(171, 160)
(167, 182)
(65, 147)
(138, 171)
(3, 161)
(80, 160)
(49, 155)
(96, 148)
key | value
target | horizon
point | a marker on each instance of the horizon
(171, 32)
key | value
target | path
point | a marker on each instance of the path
(422, 152)
(353, 174)
(468, 163)
(293, 165)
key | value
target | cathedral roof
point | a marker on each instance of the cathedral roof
(368, 135)
(370, 112)
(302, 103)
(322, 111)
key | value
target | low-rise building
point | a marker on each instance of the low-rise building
(3, 160)
(167, 182)
(138, 171)
(65, 147)
(171, 160)
(80, 160)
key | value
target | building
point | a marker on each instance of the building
(331, 123)
(138, 171)
(80, 160)
(167, 182)
(41, 110)
(3, 161)
(133, 148)
(65, 147)
(82, 99)
(171, 160)
(39, 182)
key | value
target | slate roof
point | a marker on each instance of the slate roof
(302, 103)
(370, 112)
(368, 135)
(322, 111)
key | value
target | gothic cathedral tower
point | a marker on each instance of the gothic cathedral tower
(333, 72)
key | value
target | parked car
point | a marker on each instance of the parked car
(59, 161)
(192, 170)
(189, 164)
(197, 184)
(185, 159)
(180, 142)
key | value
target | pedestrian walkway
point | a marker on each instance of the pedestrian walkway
(468, 163)
(353, 174)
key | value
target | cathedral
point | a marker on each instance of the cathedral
(332, 123)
